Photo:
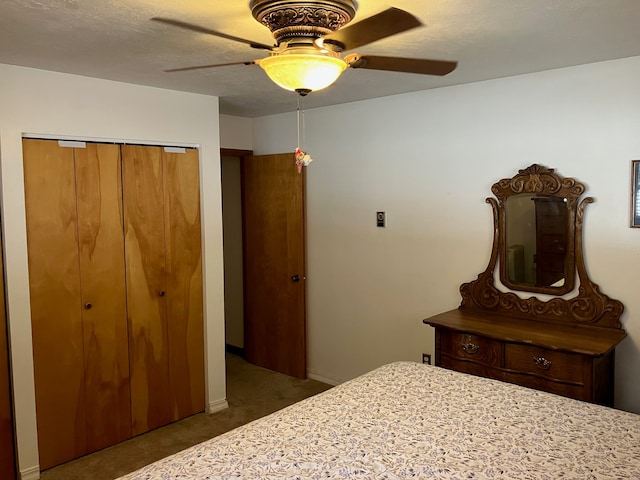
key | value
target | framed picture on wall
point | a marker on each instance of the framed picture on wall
(635, 193)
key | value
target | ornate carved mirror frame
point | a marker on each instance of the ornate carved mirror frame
(589, 306)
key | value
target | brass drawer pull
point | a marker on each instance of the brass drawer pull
(542, 363)
(470, 348)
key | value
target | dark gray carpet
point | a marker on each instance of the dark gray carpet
(252, 392)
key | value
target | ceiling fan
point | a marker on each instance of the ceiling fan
(310, 38)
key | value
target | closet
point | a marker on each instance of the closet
(113, 234)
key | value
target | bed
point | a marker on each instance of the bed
(409, 420)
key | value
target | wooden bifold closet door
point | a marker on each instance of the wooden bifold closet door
(99, 350)
(78, 303)
(164, 284)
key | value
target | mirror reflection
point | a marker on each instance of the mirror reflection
(536, 235)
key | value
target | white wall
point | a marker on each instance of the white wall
(59, 105)
(236, 132)
(429, 159)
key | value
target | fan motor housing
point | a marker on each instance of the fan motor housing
(295, 19)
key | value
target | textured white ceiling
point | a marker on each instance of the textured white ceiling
(114, 39)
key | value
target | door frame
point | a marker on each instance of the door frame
(241, 155)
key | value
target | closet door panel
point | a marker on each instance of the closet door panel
(184, 268)
(55, 292)
(104, 307)
(146, 287)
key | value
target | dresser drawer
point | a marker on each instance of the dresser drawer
(551, 364)
(541, 383)
(472, 347)
(471, 367)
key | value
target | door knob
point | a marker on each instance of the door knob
(295, 278)
(162, 293)
(87, 306)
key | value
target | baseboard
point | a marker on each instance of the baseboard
(222, 404)
(218, 405)
(31, 473)
(320, 378)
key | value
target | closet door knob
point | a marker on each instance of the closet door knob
(162, 293)
(87, 306)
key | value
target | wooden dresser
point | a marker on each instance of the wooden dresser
(560, 343)
(574, 361)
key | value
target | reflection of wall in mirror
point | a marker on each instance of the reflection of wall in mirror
(515, 264)
(521, 230)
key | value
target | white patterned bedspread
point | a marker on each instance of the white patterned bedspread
(408, 420)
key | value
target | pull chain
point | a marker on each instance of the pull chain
(302, 159)
(298, 122)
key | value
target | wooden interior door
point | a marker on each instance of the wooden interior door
(142, 175)
(274, 263)
(104, 302)
(7, 445)
(56, 318)
(184, 280)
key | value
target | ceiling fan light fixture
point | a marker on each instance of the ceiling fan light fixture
(303, 71)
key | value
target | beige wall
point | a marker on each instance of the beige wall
(66, 106)
(429, 159)
(236, 132)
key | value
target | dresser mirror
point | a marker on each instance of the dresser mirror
(538, 216)
(537, 227)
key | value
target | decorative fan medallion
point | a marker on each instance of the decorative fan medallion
(310, 37)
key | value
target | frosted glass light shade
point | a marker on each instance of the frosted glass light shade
(303, 71)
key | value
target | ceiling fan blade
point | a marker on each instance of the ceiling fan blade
(379, 26)
(198, 28)
(399, 64)
(184, 69)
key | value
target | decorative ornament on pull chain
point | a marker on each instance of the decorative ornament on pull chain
(302, 159)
